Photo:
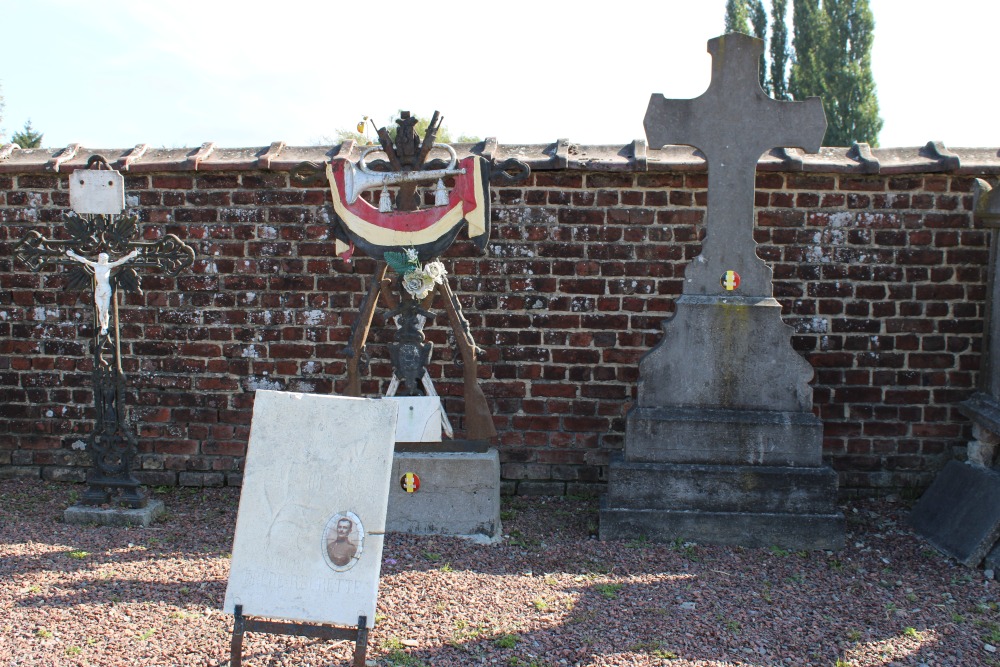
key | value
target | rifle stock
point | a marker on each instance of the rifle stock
(359, 334)
(478, 419)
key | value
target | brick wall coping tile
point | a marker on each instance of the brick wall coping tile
(562, 154)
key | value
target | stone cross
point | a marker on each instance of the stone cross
(733, 123)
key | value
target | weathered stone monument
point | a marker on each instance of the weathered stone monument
(960, 512)
(722, 446)
(96, 226)
(311, 521)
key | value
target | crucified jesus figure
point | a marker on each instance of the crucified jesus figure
(102, 281)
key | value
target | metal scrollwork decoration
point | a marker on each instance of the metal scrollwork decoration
(112, 444)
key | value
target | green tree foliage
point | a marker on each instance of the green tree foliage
(737, 16)
(779, 50)
(830, 58)
(750, 18)
(839, 34)
(27, 137)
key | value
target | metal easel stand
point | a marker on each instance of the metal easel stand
(243, 624)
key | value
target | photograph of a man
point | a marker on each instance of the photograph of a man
(343, 539)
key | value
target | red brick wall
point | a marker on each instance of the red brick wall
(881, 276)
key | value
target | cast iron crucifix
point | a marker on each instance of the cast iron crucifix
(112, 443)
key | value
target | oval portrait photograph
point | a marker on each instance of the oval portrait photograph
(343, 540)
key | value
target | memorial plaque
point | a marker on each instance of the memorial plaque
(419, 418)
(311, 520)
(98, 192)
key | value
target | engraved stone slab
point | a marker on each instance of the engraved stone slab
(419, 418)
(98, 192)
(960, 512)
(311, 520)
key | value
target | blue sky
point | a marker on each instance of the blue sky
(116, 73)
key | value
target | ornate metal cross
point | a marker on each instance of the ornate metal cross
(112, 443)
(733, 123)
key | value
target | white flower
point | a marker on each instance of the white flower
(418, 284)
(436, 271)
(411, 255)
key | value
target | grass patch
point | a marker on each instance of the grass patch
(608, 591)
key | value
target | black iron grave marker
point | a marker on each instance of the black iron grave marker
(97, 229)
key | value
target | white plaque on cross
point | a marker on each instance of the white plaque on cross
(97, 192)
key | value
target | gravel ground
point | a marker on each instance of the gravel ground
(549, 595)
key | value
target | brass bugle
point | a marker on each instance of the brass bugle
(358, 178)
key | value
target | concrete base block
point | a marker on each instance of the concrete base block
(718, 488)
(723, 436)
(114, 516)
(751, 506)
(747, 529)
(459, 495)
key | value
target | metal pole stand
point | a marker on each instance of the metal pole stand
(243, 624)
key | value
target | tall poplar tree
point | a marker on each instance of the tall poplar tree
(779, 50)
(830, 58)
(737, 16)
(750, 18)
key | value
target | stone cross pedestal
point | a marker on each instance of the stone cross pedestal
(722, 446)
(960, 512)
(983, 408)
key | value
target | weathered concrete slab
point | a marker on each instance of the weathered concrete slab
(726, 437)
(458, 495)
(311, 521)
(960, 512)
(114, 516)
(715, 488)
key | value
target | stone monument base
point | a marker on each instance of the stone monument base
(114, 516)
(747, 505)
(458, 494)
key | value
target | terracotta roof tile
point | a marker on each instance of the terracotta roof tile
(561, 154)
